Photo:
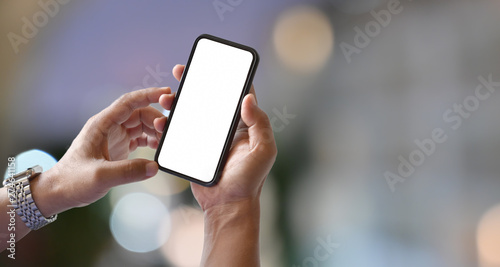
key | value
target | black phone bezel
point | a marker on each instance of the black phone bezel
(236, 116)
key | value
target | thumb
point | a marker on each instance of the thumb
(259, 128)
(127, 171)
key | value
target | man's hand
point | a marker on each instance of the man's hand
(97, 158)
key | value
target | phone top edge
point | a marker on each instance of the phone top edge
(230, 43)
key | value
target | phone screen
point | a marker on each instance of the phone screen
(205, 113)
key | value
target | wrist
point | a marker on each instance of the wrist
(247, 210)
(232, 234)
(47, 194)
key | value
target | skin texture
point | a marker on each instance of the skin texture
(97, 161)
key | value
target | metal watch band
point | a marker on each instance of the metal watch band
(22, 199)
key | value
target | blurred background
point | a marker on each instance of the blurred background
(353, 89)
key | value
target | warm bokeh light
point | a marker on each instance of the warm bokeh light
(184, 247)
(488, 238)
(303, 39)
(162, 184)
(138, 222)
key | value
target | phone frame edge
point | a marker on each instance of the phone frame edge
(236, 117)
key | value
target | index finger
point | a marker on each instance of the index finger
(123, 107)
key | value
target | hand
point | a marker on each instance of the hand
(250, 159)
(232, 207)
(97, 158)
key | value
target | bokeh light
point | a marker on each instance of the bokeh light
(488, 238)
(303, 39)
(138, 222)
(31, 158)
(162, 184)
(185, 244)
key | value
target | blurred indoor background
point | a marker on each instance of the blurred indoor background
(358, 92)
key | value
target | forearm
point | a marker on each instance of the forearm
(232, 235)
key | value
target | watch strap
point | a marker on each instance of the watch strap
(22, 199)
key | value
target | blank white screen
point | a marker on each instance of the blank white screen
(204, 111)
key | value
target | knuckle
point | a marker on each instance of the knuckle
(96, 125)
(124, 99)
(125, 102)
(92, 120)
(91, 123)
(266, 151)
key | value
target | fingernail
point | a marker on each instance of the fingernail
(151, 169)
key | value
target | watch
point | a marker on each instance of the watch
(20, 197)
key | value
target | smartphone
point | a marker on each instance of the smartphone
(206, 110)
